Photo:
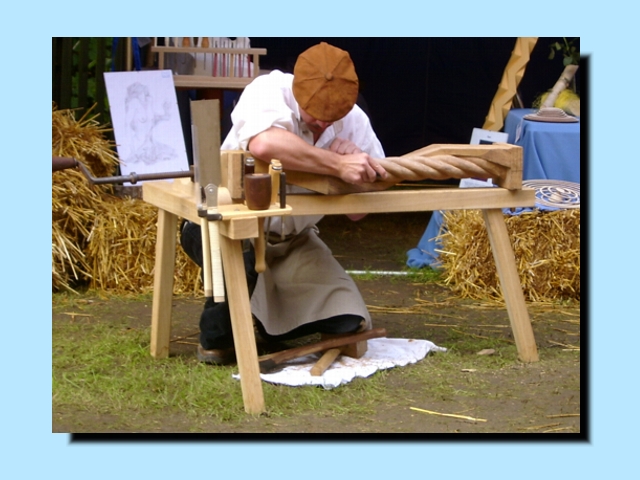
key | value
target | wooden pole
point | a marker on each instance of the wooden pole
(242, 325)
(510, 283)
(562, 84)
(163, 284)
(508, 86)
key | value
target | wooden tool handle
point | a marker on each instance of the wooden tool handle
(217, 278)
(269, 361)
(206, 258)
(275, 169)
(259, 246)
(325, 361)
(61, 163)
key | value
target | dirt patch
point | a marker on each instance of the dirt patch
(377, 242)
(542, 397)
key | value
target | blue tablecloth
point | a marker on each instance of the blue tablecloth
(550, 151)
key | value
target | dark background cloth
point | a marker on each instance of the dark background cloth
(419, 90)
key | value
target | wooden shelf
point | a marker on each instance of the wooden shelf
(229, 81)
(200, 81)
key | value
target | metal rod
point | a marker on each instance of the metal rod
(375, 272)
(133, 177)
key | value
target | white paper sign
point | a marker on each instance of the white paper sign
(480, 136)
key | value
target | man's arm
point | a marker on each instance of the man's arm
(296, 154)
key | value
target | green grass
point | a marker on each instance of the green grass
(107, 369)
(104, 379)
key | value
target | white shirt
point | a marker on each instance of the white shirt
(267, 102)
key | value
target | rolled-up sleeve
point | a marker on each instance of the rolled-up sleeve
(265, 103)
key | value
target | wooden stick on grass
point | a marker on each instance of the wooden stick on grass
(539, 427)
(452, 415)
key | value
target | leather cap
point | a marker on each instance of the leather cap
(325, 83)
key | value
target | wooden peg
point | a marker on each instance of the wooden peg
(275, 169)
(259, 246)
(325, 362)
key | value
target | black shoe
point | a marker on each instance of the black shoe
(217, 356)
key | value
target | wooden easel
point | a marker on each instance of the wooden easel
(176, 199)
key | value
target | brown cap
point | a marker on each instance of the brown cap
(325, 83)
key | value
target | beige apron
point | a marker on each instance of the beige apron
(302, 283)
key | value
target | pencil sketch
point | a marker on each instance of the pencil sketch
(146, 121)
(141, 121)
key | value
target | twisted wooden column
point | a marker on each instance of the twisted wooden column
(440, 167)
(501, 162)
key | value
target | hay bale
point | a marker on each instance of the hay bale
(74, 201)
(546, 245)
(121, 250)
(97, 238)
(84, 140)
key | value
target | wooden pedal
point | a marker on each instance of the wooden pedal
(353, 350)
(267, 362)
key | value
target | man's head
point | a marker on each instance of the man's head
(325, 83)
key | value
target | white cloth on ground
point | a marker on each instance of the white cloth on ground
(382, 353)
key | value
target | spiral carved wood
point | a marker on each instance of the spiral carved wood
(439, 167)
(499, 161)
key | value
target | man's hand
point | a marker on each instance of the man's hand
(360, 168)
(356, 167)
(295, 154)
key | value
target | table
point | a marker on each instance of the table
(550, 151)
(177, 199)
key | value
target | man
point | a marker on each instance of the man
(310, 122)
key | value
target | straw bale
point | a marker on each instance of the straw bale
(121, 250)
(97, 238)
(74, 202)
(84, 140)
(546, 245)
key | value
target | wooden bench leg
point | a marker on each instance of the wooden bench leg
(510, 283)
(163, 284)
(242, 324)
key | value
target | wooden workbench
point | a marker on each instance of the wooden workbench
(177, 199)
